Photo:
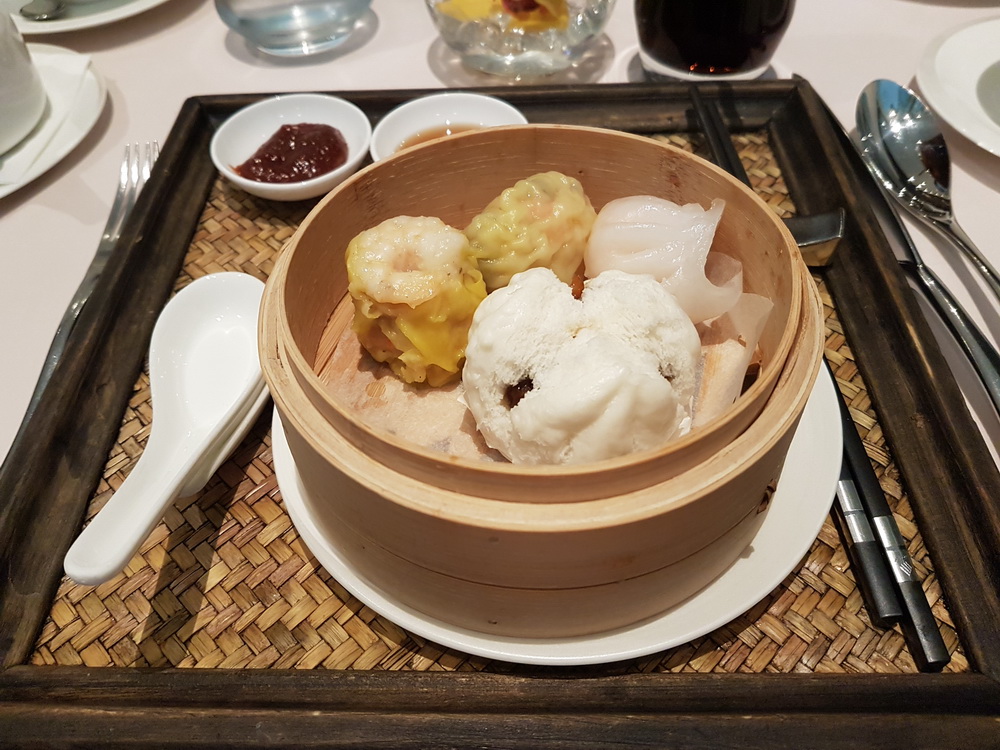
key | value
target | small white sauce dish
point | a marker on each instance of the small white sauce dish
(239, 137)
(434, 113)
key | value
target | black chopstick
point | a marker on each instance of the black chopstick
(858, 481)
(718, 136)
(919, 626)
(888, 584)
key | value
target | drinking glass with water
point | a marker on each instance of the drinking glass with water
(293, 27)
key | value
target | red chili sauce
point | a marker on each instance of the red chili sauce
(295, 153)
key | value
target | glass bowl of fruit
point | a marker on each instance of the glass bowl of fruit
(520, 38)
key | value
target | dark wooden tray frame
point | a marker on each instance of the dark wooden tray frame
(953, 485)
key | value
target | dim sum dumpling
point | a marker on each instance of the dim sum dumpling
(542, 221)
(551, 379)
(643, 234)
(415, 287)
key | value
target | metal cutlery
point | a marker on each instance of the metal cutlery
(904, 148)
(43, 10)
(133, 173)
(977, 347)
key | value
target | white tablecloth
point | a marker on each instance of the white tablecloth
(49, 229)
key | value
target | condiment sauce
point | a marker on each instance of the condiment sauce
(438, 132)
(296, 152)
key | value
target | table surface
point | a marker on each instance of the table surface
(152, 62)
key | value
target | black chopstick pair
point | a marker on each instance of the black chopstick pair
(883, 569)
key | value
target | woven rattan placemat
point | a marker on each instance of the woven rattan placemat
(225, 580)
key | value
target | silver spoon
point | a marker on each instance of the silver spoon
(905, 149)
(979, 350)
(43, 10)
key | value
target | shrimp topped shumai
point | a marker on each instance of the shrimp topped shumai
(415, 286)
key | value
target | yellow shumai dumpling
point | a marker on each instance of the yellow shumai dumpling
(415, 287)
(542, 221)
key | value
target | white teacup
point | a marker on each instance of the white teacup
(21, 90)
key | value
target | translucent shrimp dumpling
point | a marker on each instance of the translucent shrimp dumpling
(644, 234)
(415, 286)
(542, 221)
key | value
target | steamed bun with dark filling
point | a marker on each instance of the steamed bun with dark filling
(551, 379)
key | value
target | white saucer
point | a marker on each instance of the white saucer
(798, 510)
(81, 118)
(959, 75)
(81, 14)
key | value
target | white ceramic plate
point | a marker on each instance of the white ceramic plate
(80, 14)
(959, 75)
(81, 118)
(798, 509)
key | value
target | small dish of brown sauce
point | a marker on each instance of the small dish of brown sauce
(427, 118)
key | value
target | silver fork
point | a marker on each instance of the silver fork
(134, 172)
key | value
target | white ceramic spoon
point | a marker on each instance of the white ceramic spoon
(204, 376)
(216, 455)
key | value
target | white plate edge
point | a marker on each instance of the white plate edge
(968, 119)
(100, 18)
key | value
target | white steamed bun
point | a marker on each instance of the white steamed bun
(603, 376)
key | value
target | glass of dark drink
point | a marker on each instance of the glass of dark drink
(710, 39)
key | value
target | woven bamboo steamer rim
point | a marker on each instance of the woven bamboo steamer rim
(541, 544)
(454, 178)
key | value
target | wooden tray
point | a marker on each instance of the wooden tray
(52, 471)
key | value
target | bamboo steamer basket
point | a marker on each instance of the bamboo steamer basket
(542, 569)
(534, 551)
(455, 178)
